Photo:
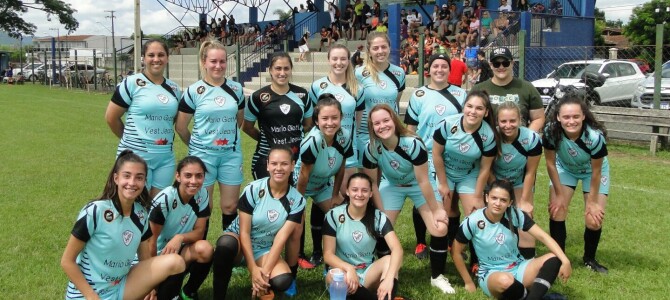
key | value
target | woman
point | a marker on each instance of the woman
(178, 219)
(304, 47)
(150, 103)
(428, 106)
(283, 112)
(520, 152)
(575, 147)
(504, 273)
(463, 27)
(355, 228)
(216, 104)
(500, 25)
(381, 82)
(109, 232)
(270, 209)
(402, 159)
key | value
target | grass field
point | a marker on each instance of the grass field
(57, 149)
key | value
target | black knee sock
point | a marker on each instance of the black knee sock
(514, 291)
(301, 252)
(591, 241)
(382, 248)
(419, 227)
(223, 260)
(204, 235)
(558, 232)
(545, 278)
(316, 221)
(294, 271)
(281, 282)
(362, 293)
(438, 255)
(170, 288)
(452, 229)
(473, 254)
(527, 253)
(226, 220)
(198, 272)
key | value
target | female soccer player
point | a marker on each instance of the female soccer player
(320, 169)
(574, 142)
(428, 106)
(520, 151)
(178, 219)
(503, 272)
(350, 234)
(216, 104)
(402, 159)
(149, 102)
(270, 209)
(109, 232)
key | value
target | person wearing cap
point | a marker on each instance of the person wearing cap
(443, 20)
(505, 6)
(467, 9)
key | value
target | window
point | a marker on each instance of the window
(611, 70)
(625, 69)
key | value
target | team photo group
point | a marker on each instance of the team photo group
(467, 160)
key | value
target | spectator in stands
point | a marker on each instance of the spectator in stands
(403, 14)
(359, 17)
(295, 10)
(434, 18)
(366, 8)
(463, 27)
(346, 22)
(365, 27)
(212, 25)
(505, 6)
(334, 35)
(500, 25)
(479, 8)
(325, 37)
(302, 9)
(233, 30)
(310, 6)
(304, 46)
(382, 27)
(458, 70)
(453, 18)
(356, 59)
(555, 8)
(484, 71)
(442, 23)
(485, 23)
(374, 22)
(471, 39)
(522, 5)
(467, 9)
(376, 9)
(404, 34)
(385, 18)
(415, 20)
(334, 12)
(223, 23)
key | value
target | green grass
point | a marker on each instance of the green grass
(56, 151)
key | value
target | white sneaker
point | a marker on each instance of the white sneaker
(443, 284)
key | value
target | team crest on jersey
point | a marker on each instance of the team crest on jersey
(440, 109)
(273, 215)
(261, 193)
(265, 97)
(331, 162)
(183, 220)
(572, 152)
(341, 218)
(365, 73)
(220, 100)
(464, 147)
(394, 164)
(453, 129)
(127, 237)
(508, 157)
(500, 239)
(484, 138)
(525, 141)
(357, 235)
(285, 108)
(323, 85)
(481, 224)
(339, 97)
(108, 215)
(140, 215)
(382, 85)
(396, 73)
(604, 180)
(200, 90)
(140, 82)
(163, 99)
(419, 93)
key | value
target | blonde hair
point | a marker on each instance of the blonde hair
(369, 65)
(350, 78)
(400, 129)
(207, 45)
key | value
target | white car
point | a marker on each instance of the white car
(622, 78)
(644, 92)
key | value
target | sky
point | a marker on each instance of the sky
(93, 18)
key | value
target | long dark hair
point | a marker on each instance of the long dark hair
(509, 213)
(490, 119)
(110, 190)
(554, 130)
(368, 219)
(159, 41)
(187, 161)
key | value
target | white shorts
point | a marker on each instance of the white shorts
(304, 48)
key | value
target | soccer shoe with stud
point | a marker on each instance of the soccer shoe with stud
(443, 284)
(594, 266)
(421, 251)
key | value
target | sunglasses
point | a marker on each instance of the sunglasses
(504, 63)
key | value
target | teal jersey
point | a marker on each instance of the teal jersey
(326, 160)
(391, 84)
(496, 245)
(427, 107)
(111, 244)
(151, 109)
(353, 242)
(177, 217)
(350, 103)
(214, 110)
(463, 151)
(396, 165)
(575, 156)
(268, 214)
(511, 164)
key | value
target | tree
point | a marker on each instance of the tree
(598, 39)
(12, 23)
(283, 15)
(641, 30)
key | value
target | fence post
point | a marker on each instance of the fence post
(238, 63)
(95, 74)
(32, 59)
(197, 59)
(658, 60)
(421, 58)
(522, 54)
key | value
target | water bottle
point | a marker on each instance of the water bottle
(338, 288)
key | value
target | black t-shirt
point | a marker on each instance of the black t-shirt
(486, 72)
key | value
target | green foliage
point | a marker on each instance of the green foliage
(598, 39)
(283, 14)
(12, 22)
(641, 30)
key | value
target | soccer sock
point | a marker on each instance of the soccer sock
(591, 241)
(281, 282)
(301, 252)
(527, 253)
(316, 221)
(382, 247)
(438, 255)
(557, 232)
(204, 235)
(452, 229)
(545, 278)
(170, 288)
(514, 291)
(294, 271)
(362, 293)
(226, 220)
(198, 273)
(224, 257)
(419, 227)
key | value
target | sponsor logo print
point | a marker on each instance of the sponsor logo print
(481, 224)
(525, 141)
(323, 85)
(183, 220)
(365, 73)
(341, 218)
(140, 82)
(265, 97)
(454, 129)
(604, 179)
(174, 203)
(419, 93)
(200, 90)
(261, 193)
(109, 215)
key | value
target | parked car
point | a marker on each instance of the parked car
(643, 64)
(622, 78)
(87, 69)
(644, 92)
(28, 71)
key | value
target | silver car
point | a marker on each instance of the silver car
(644, 92)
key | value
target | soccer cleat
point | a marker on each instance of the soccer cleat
(474, 268)
(192, 296)
(305, 264)
(594, 266)
(443, 284)
(292, 290)
(421, 251)
(316, 259)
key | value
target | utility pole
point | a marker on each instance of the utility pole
(111, 16)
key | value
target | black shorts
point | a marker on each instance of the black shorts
(345, 25)
(323, 40)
